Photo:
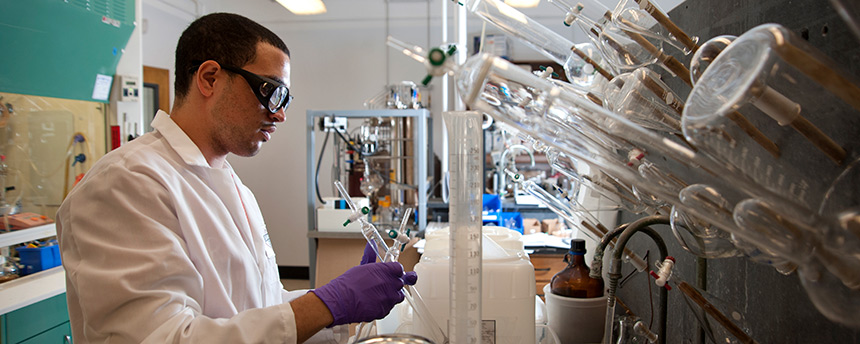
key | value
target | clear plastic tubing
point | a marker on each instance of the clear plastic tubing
(465, 168)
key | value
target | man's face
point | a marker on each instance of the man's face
(242, 123)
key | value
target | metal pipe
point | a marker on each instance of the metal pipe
(641, 225)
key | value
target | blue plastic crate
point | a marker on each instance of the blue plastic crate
(36, 259)
(512, 220)
(491, 203)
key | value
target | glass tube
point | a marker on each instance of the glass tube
(645, 17)
(644, 99)
(554, 114)
(552, 107)
(539, 38)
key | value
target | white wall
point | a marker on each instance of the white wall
(161, 26)
(339, 59)
(129, 114)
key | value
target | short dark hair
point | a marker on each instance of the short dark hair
(224, 37)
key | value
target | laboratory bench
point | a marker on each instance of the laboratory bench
(33, 308)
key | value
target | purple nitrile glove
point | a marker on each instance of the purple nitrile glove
(365, 292)
(369, 255)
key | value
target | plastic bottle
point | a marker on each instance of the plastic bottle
(574, 280)
(385, 215)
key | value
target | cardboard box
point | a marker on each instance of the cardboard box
(531, 226)
(551, 226)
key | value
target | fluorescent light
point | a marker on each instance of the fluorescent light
(522, 3)
(303, 7)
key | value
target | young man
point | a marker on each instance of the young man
(162, 243)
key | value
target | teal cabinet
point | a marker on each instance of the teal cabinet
(46, 321)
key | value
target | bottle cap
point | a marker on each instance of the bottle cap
(577, 246)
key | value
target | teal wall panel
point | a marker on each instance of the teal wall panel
(55, 48)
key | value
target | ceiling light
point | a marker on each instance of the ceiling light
(303, 7)
(522, 3)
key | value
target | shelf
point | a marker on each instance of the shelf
(24, 235)
(27, 290)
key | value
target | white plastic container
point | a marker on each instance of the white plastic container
(574, 320)
(508, 293)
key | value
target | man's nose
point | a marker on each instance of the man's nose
(279, 116)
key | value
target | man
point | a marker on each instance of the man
(162, 242)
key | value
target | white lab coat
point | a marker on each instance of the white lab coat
(159, 247)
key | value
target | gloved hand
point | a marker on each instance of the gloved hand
(369, 255)
(365, 292)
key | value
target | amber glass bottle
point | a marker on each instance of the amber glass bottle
(574, 280)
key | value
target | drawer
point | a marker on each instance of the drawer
(547, 266)
(34, 319)
(61, 334)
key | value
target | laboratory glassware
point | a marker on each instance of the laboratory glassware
(622, 48)
(574, 214)
(772, 74)
(465, 168)
(391, 254)
(596, 181)
(394, 338)
(371, 182)
(849, 10)
(574, 280)
(630, 50)
(770, 101)
(644, 99)
(630, 331)
(708, 309)
(580, 73)
(706, 54)
(552, 106)
(645, 17)
(541, 117)
(541, 120)
(828, 266)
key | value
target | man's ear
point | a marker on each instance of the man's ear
(206, 77)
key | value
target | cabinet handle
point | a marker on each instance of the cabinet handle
(67, 339)
(536, 270)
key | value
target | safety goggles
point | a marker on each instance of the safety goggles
(272, 94)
